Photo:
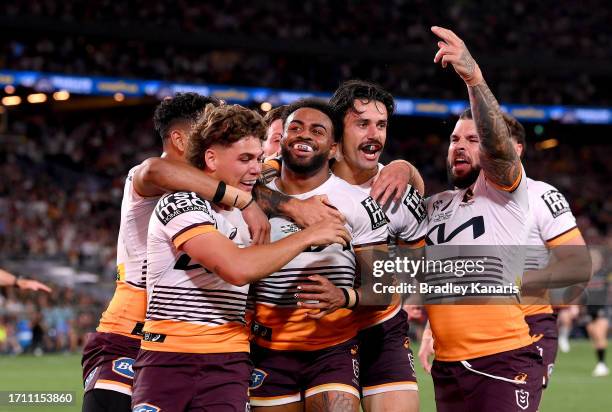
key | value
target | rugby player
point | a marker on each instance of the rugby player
(386, 366)
(553, 232)
(9, 279)
(303, 361)
(194, 353)
(110, 352)
(485, 359)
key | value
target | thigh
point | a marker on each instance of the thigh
(396, 401)
(332, 401)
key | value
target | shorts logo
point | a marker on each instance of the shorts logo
(257, 378)
(521, 377)
(377, 216)
(356, 368)
(556, 203)
(145, 407)
(354, 350)
(406, 342)
(550, 368)
(522, 399)
(414, 202)
(171, 206)
(123, 367)
(411, 360)
(90, 377)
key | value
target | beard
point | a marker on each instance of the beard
(465, 181)
(304, 167)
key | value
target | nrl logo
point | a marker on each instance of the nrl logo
(522, 399)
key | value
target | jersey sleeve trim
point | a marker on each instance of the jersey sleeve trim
(364, 245)
(192, 231)
(563, 237)
(513, 186)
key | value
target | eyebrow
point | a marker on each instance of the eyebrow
(319, 125)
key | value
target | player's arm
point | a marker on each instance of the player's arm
(393, 180)
(303, 212)
(241, 266)
(156, 176)
(426, 349)
(570, 264)
(8, 279)
(499, 160)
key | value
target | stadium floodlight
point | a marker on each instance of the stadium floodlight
(9, 89)
(266, 106)
(119, 97)
(37, 98)
(11, 100)
(547, 144)
(61, 95)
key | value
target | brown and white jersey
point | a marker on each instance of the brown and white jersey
(278, 323)
(190, 308)
(486, 223)
(126, 310)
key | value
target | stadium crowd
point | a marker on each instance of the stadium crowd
(208, 43)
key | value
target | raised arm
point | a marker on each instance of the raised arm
(498, 158)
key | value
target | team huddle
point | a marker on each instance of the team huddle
(242, 288)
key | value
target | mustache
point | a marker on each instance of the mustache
(370, 142)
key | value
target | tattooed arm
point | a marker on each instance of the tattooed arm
(304, 213)
(498, 158)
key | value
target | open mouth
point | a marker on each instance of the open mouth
(248, 184)
(370, 150)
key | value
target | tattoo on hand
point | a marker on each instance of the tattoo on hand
(468, 62)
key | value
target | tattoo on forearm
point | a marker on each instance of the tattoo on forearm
(269, 200)
(333, 402)
(499, 159)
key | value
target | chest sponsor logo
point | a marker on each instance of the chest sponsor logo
(377, 216)
(476, 224)
(414, 203)
(123, 367)
(176, 204)
(556, 203)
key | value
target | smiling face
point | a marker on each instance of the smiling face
(308, 142)
(365, 134)
(463, 159)
(238, 164)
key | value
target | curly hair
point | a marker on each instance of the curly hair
(222, 125)
(185, 107)
(344, 97)
(273, 115)
(316, 104)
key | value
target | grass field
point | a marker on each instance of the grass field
(572, 387)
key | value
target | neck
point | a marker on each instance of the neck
(292, 183)
(353, 175)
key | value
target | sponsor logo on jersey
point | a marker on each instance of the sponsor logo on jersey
(377, 216)
(290, 228)
(557, 205)
(476, 223)
(261, 331)
(257, 378)
(522, 399)
(414, 203)
(154, 337)
(123, 367)
(145, 407)
(175, 204)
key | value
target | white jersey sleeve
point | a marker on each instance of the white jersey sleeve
(551, 210)
(407, 219)
(179, 214)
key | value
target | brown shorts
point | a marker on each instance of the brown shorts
(283, 377)
(107, 362)
(168, 381)
(503, 382)
(544, 328)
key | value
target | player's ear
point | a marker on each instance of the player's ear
(211, 159)
(179, 140)
(332, 151)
